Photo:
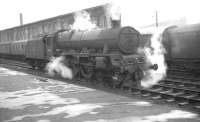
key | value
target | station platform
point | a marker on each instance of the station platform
(29, 98)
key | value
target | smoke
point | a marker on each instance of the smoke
(83, 21)
(113, 10)
(154, 55)
(57, 66)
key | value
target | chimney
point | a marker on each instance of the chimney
(21, 19)
(116, 23)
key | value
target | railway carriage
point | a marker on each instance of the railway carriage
(34, 30)
(17, 48)
(4, 48)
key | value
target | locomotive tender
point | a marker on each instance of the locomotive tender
(182, 44)
(108, 55)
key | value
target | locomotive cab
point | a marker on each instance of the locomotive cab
(49, 46)
(40, 50)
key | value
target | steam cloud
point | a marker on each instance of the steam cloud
(83, 22)
(56, 66)
(114, 10)
(155, 55)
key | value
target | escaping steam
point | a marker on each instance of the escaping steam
(155, 55)
(83, 22)
(113, 10)
(56, 66)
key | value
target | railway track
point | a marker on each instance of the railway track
(182, 71)
(170, 90)
(181, 90)
(15, 63)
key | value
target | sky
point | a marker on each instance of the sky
(134, 12)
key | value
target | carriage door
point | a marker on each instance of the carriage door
(49, 46)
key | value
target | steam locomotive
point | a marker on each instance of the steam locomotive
(105, 55)
(182, 44)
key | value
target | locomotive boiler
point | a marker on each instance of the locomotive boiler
(182, 44)
(125, 40)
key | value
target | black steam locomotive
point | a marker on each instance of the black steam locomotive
(105, 55)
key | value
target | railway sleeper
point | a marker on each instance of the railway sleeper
(146, 94)
(183, 78)
(171, 97)
(178, 88)
(156, 97)
(180, 83)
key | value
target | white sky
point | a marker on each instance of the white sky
(134, 12)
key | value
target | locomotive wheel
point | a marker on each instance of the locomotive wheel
(138, 77)
(117, 79)
(99, 77)
(72, 63)
(127, 81)
(86, 71)
(75, 70)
